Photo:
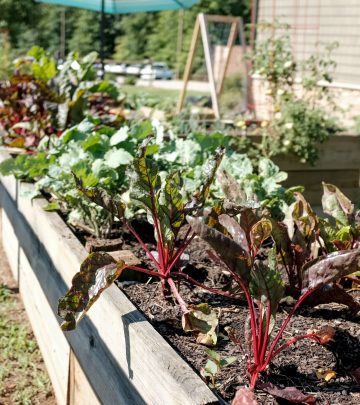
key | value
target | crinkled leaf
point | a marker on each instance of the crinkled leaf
(336, 204)
(172, 207)
(203, 322)
(120, 136)
(303, 215)
(291, 394)
(244, 396)
(90, 141)
(145, 179)
(235, 230)
(328, 268)
(230, 252)
(230, 187)
(8, 166)
(142, 130)
(325, 334)
(208, 175)
(105, 87)
(117, 157)
(102, 198)
(97, 272)
(260, 232)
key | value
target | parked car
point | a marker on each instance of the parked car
(134, 69)
(116, 68)
(156, 71)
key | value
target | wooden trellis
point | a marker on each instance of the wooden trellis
(201, 29)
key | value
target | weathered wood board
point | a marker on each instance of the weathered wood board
(119, 357)
(339, 164)
(55, 348)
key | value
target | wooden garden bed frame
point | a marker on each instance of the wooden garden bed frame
(114, 356)
(338, 164)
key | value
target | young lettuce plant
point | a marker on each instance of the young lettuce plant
(166, 209)
(247, 250)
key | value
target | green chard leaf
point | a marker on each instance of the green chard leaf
(303, 216)
(266, 285)
(336, 204)
(97, 272)
(102, 198)
(208, 173)
(260, 232)
(172, 207)
(145, 182)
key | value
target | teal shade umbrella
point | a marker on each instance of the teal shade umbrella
(121, 7)
(124, 6)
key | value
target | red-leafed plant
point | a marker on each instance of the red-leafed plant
(26, 115)
(246, 247)
(303, 236)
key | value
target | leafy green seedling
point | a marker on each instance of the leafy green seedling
(215, 364)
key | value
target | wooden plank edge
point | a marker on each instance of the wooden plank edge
(45, 224)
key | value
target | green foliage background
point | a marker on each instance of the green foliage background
(132, 37)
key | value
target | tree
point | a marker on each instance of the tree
(15, 15)
(136, 29)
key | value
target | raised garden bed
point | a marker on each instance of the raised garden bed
(115, 356)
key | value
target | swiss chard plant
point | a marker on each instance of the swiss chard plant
(166, 208)
(305, 237)
(301, 236)
(244, 243)
(28, 107)
(38, 100)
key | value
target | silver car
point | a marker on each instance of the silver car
(156, 71)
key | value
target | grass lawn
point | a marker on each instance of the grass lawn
(23, 377)
(156, 92)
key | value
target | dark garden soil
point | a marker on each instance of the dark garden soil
(296, 366)
(23, 376)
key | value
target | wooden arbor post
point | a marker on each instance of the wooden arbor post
(201, 28)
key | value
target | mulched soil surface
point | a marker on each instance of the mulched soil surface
(23, 376)
(294, 367)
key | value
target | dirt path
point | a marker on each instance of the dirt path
(23, 377)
